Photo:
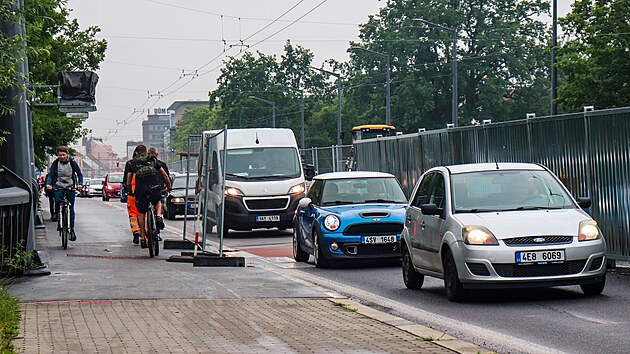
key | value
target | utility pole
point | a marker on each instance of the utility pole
(453, 33)
(339, 89)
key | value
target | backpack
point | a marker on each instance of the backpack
(145, 168)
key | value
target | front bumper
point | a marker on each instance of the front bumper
(238, 217)
(352, 242)
(495, 266)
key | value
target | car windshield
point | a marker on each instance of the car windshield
(508, 190)
(115, 178)
(179, 182)
(362, 190)
(276, 162)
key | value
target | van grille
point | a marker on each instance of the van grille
(279, 203)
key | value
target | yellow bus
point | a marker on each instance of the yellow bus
(371, 131)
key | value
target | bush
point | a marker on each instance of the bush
(9, 321)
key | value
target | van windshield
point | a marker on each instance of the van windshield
(271, 162)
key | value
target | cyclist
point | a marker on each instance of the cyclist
(64, 175)
(132, 211)
(147, 174)
(152, 151)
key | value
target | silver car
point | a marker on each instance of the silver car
(500, 225)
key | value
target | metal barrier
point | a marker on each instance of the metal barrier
(16, 203)
(588, 151)
(328, 159)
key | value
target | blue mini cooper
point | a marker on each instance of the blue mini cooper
(348, 216)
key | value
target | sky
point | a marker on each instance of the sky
(161, 51)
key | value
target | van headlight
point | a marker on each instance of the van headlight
(233, 192)
(331, 222)
(588, 231)
(297, 189)
(178, 200)
(478, 235)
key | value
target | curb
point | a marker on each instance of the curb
(425, 333)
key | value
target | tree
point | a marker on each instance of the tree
(195, 120)
(55, 43)
(594, 60)
(502, 67)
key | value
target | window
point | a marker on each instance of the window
(313, 192)
(437, 196)
(423, 191)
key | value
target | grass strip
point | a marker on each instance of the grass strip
(9, 321)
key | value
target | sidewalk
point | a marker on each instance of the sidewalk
(105, 296)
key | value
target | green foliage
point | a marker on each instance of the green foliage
(594, 61)
(9, 321)
(501, 50)
(10, 56)
(194, 121)
(55, 43)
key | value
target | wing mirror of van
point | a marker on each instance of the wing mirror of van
(305, 203)
(431, 209)
(584, 202)
(309, 172)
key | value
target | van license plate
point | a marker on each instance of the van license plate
(375, 240)
(540, 256)
(267, 218)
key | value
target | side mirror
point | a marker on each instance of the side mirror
(584, 202)
(309, 172)
(431, 209)
(305, 203)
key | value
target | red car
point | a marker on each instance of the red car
(111, 185)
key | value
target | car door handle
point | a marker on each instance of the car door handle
(423, 225)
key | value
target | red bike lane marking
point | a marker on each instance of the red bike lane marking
(279, 251)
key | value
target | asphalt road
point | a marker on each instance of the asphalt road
(507, 321)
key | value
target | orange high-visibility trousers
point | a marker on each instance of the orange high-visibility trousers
(132, 210)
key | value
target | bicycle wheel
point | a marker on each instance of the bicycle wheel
(64, 226)
(151, 232)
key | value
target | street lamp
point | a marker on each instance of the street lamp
(273, 108)
(387, 80)
(452, 32)
(338, 76)
(554, 69)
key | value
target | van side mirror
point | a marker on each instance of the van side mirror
(584, 202)
(309, 172)
(431, 209)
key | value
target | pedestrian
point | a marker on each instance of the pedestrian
(132, 211)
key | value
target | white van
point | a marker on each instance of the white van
(264, 178)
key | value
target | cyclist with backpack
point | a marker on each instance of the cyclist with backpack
(132, 211)
(147, 173)
(64, 175)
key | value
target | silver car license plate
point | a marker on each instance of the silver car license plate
(540, 256)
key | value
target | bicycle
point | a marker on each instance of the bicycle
(152, 232)
(63, 220)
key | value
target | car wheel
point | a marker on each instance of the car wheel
(318, 254)
(413, 280)
(298, 254)
(594, 288)
(454, 289)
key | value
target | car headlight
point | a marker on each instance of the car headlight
(297, 189)
(478, 235)
(178, 200)
(109, 188)
(588, 231)
(233, 192)
(331, 222)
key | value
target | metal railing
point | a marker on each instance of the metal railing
(588, 151)
(327, 159)
(16, 203)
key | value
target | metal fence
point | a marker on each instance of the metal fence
(15, 212)
(590, 153)
(328, 159)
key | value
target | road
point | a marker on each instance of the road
(536, 320)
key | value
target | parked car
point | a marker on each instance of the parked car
(111, 185)
(174, 201)
(500, 225)
(349, 216)
(96, 186)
